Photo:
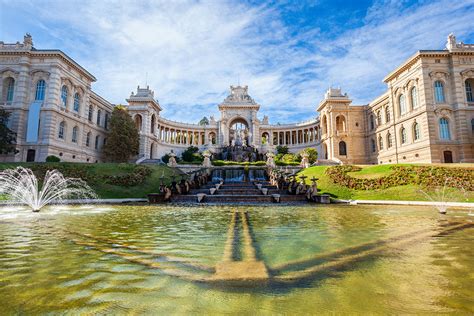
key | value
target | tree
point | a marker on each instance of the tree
(191, 154)
(123, 141)
(283, 150)
(312, 154)
(204, 121)
(7, 136)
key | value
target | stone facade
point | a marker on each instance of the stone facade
(426, 115)
(53, 109)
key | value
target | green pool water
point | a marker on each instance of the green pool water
(161, 259)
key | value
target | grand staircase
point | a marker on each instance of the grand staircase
(238, 192)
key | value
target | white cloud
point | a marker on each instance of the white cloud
(193, 50)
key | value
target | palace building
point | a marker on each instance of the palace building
(426, 115)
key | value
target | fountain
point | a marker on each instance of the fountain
(440, 196)
(20, 185)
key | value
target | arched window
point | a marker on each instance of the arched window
(389, 140)
(403, 135)
(9, 84)
(469, 93)
(88, 139)
(40, 90)
(414, 97)
(371, 122)
(324, 125)
(380, 142)
(91, 113)
(402, 104)
(340, 123)
(439, 92)
(379, 117)
(387, 114)
(138, 122)
(444, 132)
(77, 100)
(106, 120)
(74, 134)
(105, 141)
(342, 148)
(97, 139)
(416, 131)
(152, 127)
(99, 113)
(62, 130)
(373, 145)
(472, 125)
(64, 93)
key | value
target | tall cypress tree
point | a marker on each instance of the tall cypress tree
(123, 141)
(7, 136)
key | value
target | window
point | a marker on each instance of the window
(373, 145)
(444, 129)
(389, 140)
(10, 84)
(77, 100)
(64, 93)
(74, 134)
(379, 117)
(469, 94)
(91, 112)
(40, 89)
(403, 135)
(402, 104)
(62, 129)
(414, 97)
(416, 131)
(387, 114)
(371, 122)
(88, 139)
(472, 126)
(439, 92)
(342, 149)
(97, 139)
(105, 141)
(380, 142)
(99, 112)
(106, 121)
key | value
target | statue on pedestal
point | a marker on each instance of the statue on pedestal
(270, 160)
(207, 161)
(172, 162)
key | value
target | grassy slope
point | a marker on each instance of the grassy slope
(104, 190)
(405, 192)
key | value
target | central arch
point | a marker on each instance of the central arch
(239, 132)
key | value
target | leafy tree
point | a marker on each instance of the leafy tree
(192, 154)
(7, 136)
(290, 158)
(123, 140)
(312, 154)
(283, 150)
(204, 121)
(53, 158)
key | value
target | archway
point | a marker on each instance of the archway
(265, 138)
(138, 122)
(325, 151)
(340, 123)
(239, 133)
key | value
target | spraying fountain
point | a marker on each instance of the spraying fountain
(21, 186)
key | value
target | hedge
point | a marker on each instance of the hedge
(421, 175)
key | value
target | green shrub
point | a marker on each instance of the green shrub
(429, 176)
(312, 154)
(192, 154)
(282, 150)
(52, 158)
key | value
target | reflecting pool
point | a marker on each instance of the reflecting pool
(181, 260)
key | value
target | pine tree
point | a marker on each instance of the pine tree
(123, 141)
(7, 136)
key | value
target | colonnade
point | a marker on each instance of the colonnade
(294, 137)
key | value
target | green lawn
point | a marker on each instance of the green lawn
(104, 190)
(405, 192)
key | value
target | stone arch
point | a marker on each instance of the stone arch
(239, 129)
(342, 148)
(153, 124)
(340, 123)
(265, 138)
(152, 151)
(138, 121)
(324, 124)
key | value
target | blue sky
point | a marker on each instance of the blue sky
(189, 52)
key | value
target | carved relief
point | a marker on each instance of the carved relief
(438, 75)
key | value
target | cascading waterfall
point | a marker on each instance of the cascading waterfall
(20, 185)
